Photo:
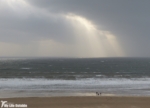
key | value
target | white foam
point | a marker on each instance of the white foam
(26, 68)
(100, 75)
(90, 82)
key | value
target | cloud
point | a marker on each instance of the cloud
(127, 20)
(87, 28)
(32, 24)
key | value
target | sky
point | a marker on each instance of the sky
(74, 28)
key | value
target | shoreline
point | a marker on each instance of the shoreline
(88, 95)
(82, 102)
(39, 93)
(102, 96)
(62, 93)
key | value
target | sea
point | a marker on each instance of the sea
(45, 77)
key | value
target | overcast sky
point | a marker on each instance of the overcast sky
(75, 28)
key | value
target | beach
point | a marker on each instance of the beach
(72, 83)
(83, 102)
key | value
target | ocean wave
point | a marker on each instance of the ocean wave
(38, 83)
(25, 68)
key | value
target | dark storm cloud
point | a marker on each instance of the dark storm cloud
(34, 25)
(127, 19)
(35, 29)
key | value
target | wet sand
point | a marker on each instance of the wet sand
(83, 102)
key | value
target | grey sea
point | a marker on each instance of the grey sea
(33, 77)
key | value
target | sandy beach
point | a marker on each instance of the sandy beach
(83, 102)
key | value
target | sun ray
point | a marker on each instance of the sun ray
(96, 39)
